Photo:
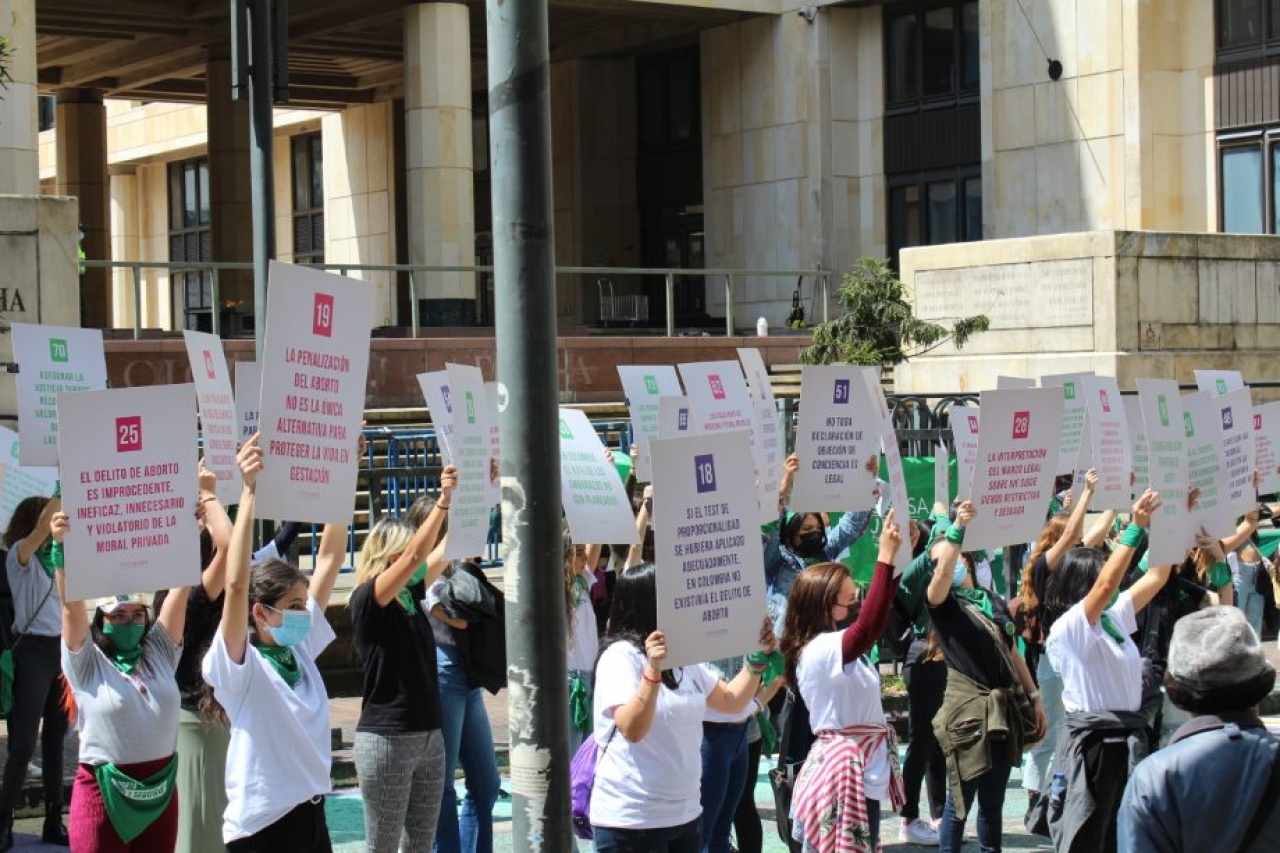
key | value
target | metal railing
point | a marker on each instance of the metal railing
(417, 272)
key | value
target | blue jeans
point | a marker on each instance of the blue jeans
(467, 738)
(670, 839)
(1248, 599)
(989, 788)
(724, 774)
(1035, 768)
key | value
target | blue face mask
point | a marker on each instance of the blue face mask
(959, 573)
(294, 626)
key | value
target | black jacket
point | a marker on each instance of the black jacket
(468, 595)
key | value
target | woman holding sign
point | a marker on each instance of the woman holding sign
(124, 797)
(263, 672)
(853, 764)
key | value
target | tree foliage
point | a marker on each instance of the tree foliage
(878, 326)
(6, 55)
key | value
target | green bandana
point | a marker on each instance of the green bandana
(282, 660)
(134, 805)
(50, 556)
(977, 597)
(774, 665)
(404, 596)
(1112, 630)
(126, 640)
(768, 734)
(579, 703)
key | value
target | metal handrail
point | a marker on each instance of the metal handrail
(668, 273)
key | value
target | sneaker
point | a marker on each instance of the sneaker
(919, 832)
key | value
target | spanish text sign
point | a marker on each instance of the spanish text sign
(248, 397)
(20, 482)
(1266, 439)
(52, 360)
(435, 390)
(1017, 460)
(130, 485)
(838, 432)
(643, 386)
(1073, 415)
(710, 580)
(218, 423)
(315, 369)
(594, 497)
(965, 425)
(1235, 413)
(757, 374)
(1110, 444)
(1219, 382)
(1206, 470)
(472, 452)
(1166, 428)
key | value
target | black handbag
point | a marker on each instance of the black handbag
(782, 779)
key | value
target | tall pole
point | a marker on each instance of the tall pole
(525, 296)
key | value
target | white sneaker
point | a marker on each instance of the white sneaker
(919, 832)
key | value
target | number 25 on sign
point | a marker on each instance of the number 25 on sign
(128, 434)
(322, 316)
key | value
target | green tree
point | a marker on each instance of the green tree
(6, 55)
(878, 326)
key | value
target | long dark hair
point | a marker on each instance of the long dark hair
(102, 641)
(270, 581)
(791, 529)
(24, 519)
(1068, 586)
(634, 614)
(814, 593)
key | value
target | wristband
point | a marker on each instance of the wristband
(651, 680)
(955, 534)
(1132, 536)
(56, 558)
(442, 507)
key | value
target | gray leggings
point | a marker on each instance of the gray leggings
(402, 784)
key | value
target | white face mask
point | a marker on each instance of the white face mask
(982, 573)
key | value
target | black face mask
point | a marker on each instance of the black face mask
(850, 619)
(811, 544)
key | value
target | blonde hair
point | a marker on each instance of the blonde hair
(388, 537)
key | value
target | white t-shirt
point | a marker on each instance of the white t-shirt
(1098, 674)
(840, 696)
(726, 670)
(584, 640)
(279, 753)
(656, 782)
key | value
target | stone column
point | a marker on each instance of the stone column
(19, 128)
(82, 172)
(231, 209)
(124, 242)
(441, 202)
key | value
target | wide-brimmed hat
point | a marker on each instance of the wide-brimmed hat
(1215, 648)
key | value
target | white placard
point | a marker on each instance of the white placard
(18, 482)
(1165, 425)
(720, 402)
(838, 432)
(315, 370)
(248, 395)
(130, 485)
(711, 596)
(757, 374)
(218, 422)
(675, 419)
(495, 441)
(469, 507)
(1138, 441)
(769, 439)
(1074, 415)
(1109, 444)
(941, 475)
(1235, 413)
(965, 423)
(1084, 461)
(52, 360)
(642, 387)
(1266, 442)
(435, 390)
(1013, 383)
(898, 499)
(1204, 460)
(1219, 382)
(1013, 478)
(594, 496)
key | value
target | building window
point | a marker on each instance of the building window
(47, 107)
(1249, 182)
(191, 240)
(931, 54)
(308, 199)
(669, 108)
(1248, 27)
(933, 208)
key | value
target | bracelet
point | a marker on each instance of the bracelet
(651, 680)
(442, 507)
(955, 534)
(1033, 695)
(210, 498)
(1132, 536)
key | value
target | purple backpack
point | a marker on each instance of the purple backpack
(582, 779)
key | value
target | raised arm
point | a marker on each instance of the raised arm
(1097, 532)
(387, 585)
(28, 545)
(235, 608)
(1224, 591)
(173, 613)
(218, 523)
(75, 621)
(733, 697)
(852, 524)
(1071, 534)
(636, 551)
(634, 717)
(790, 466)
(946, 553)
(1113, 571)
(859, 637)
(1244, 530)
(329, 559)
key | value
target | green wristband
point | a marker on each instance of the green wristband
(1132, 536)
(955, 534)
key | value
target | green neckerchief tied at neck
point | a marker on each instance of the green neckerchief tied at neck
(283, 661)
(979, 598)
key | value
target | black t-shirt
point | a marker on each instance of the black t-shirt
(968, 647)
(398, 654)
(203, 618)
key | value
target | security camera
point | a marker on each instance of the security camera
(808, 13)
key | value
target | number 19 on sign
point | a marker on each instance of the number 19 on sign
(322, 316)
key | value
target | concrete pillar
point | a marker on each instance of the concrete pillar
(441, 202)
(19, 128)
(82, 172)
(125, 244)
(231, 212)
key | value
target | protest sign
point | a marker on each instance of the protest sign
(1165, 426)
(1205, 469)
(1074, 415)
(1266, 441)
(1235, 413)
(469, 507)
(642, 387)
(1138, 441)
(248, 394)
(52, 360)
(1109, 444)
(1084, 461)
(594, 497)
(19, 482)
(769, 439)
(719, 402)
(1013, 477)
(1219, 382)
(898, 499)
(674, 420)
(838, 432)
(757, 374)
(130, 485)
(1013, 383)
(435, 390)
(711, 591)
(921, 475)
(315, 369)
(965, 422)
(218, 424)
(491, 393)
(941, 470)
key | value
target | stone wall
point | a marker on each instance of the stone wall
(1127, 304)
